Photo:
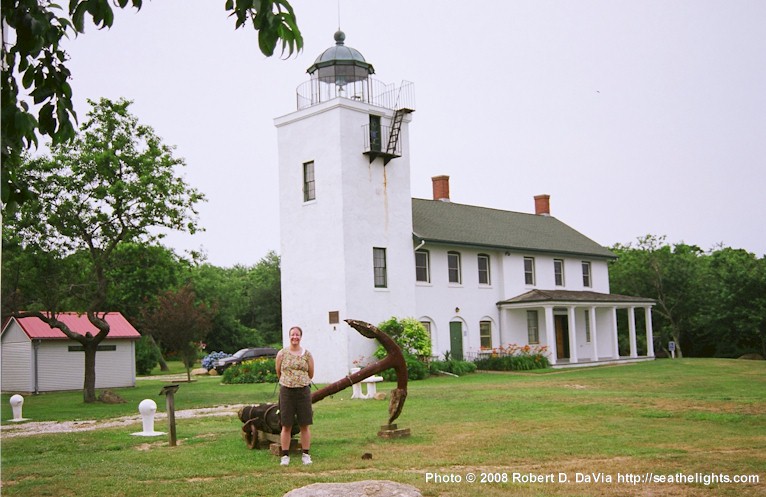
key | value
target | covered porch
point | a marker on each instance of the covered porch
(579, 328)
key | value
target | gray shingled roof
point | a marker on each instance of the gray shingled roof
(575, 296)
(447, 222)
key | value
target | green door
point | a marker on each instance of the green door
(456, 340)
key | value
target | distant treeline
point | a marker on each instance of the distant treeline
(245, 300)
(711, 304)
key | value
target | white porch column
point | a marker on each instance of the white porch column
(649, 332)
(572, 335)
(593, 332)
(500, 326)
(615, 341)
(550, 334)
(632, 331)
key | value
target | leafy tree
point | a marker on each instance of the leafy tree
(147, 355)
(670, 275)
(179, 322)
(36, 279)
(265, 298)
(736, 311)
(711, 304)
(115, 183)
(226, 290)
(140, 273)
(36, 58)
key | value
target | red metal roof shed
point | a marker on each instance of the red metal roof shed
(35, 328)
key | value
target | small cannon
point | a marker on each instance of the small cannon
(261, 421)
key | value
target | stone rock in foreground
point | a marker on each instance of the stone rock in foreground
(367, 488)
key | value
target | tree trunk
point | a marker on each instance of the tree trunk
(163, 364)
(677, 338)
(89, 386)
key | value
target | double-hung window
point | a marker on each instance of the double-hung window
(379, 267)
(586, 279)
(453, 267)
(484, 277)
(558, 271)
(309, 186)
(485, 334)
(422, 266)
(533, 331)
(529, 270)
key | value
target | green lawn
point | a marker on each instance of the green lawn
(696, 417)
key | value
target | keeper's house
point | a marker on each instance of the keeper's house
(38, 358)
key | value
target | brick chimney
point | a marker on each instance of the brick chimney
(543, 205)
(441, 188)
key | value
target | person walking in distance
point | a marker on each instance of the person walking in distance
(295, 369)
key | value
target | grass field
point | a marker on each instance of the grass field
(704, 419)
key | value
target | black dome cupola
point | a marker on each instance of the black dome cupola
(340, 64)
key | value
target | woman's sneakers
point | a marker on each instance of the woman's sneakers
(305, 459)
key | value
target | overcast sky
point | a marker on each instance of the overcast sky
(645, 117)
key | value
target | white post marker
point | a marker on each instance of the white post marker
(17, 402)
(672, 349)
(148, 408)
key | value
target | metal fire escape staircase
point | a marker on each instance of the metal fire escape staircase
(392, 150)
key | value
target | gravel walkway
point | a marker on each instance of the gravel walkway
(11, 429)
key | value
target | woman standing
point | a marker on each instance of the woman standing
(295, 369)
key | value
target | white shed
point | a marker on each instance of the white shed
(38, 358)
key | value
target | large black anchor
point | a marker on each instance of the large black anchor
(265, 417)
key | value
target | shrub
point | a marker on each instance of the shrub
(208, 362)
(459, 368)
(416, 370)
(409, 333)
(147, 355)
(256, 371)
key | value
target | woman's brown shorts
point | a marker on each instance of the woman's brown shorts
(295, 402)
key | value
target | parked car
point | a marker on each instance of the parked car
(244, 355)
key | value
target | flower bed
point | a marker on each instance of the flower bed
(514, 358)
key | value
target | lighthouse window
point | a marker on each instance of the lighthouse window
(375, 134)
(309, 191)
(379, 267)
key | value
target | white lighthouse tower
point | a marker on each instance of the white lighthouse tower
(345, 208)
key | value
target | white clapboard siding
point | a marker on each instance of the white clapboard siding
(17, 372)
(62, 369)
